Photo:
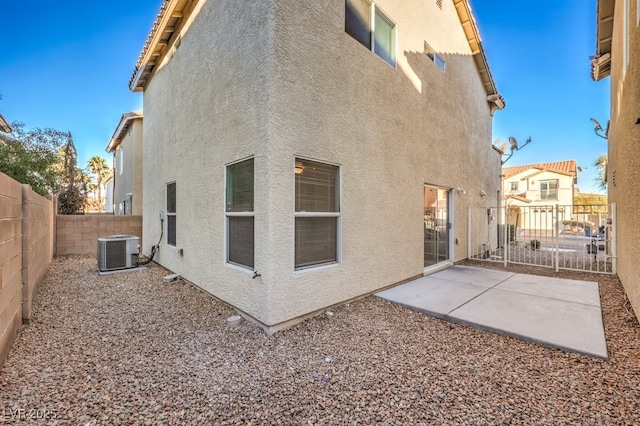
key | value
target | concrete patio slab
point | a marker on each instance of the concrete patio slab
(433, 296)
(556, 288)
(471, 275)
(558, 313)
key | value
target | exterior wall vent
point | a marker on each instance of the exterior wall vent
(118, 252)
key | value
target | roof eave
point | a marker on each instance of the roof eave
(480, 58)
(601, 61)
(169, 20)
(4, 126)
(123, 125)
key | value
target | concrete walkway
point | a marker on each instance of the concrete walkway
(553, 312)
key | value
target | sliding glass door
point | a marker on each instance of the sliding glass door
(436, 225)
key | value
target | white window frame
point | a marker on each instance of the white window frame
(372, 21)
(121, 162)
(546, 182)
(174, 214)
(337, 215)
(227, 215)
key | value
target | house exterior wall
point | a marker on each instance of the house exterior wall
(623, 171)
(280, 80)
(130, 181)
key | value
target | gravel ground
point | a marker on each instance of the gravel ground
(129, 349)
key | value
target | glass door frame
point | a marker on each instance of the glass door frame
(435, 227)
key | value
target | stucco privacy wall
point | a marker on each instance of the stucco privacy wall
(623, 168)
(26, 250)
(282, 79)
(10, 262)
(38, 227)
(78, 234)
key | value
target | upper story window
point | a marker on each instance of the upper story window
(434, 56)
(365, 22)
(549, 189)
(317, 214)
(239, 213)
(121, 161)
(514, 186)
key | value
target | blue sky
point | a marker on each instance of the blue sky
(66, 64)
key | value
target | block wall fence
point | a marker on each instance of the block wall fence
(31, 234)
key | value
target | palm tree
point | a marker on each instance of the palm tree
(601, 165)
(99, 168)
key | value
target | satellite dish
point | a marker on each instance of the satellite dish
(513, 142)
(595, 123)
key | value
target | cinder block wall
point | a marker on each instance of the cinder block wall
(26, 250)
(79, 234)
(37, 244)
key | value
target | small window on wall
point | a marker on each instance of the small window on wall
(239, 213)
(365, 22)
(171, 214)
(434, 56)
(514, 186)
(317, 214)
(121, 161)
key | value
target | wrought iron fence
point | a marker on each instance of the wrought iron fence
(575, 237)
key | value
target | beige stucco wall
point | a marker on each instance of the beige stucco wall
(130, 181)
(623, 172)
(236, 88)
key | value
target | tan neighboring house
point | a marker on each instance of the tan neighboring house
(618, 56)
(4, 130)
(4, 126)
(108, 191)
(532, 192)
(126, 147)
(301, 154)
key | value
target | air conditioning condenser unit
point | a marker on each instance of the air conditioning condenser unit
(118, 252)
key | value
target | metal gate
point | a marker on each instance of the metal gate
(575, 237)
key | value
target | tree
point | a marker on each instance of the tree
(601, 166)
(31, 157)
(73, 189)
(99, 168)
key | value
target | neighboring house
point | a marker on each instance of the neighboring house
(618, 57)
(108, 197)
(533, 191)
(4, 126)
(301, 154)
(126, 147)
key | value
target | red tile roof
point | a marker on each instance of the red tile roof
(563, 167)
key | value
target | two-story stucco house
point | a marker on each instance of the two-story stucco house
(618, 57)
(301, 154)
(126, 147)
(532, 192)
